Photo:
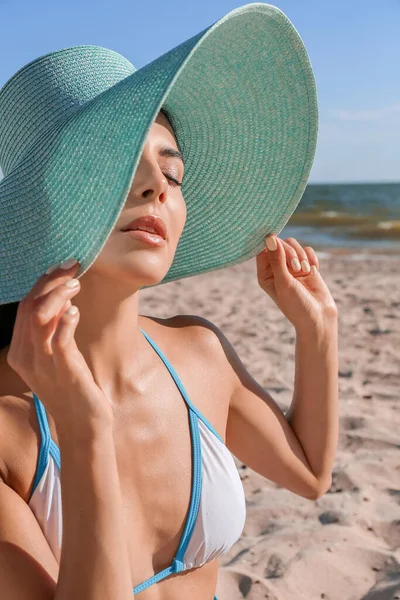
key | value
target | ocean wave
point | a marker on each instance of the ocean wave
(379, 230)
(352, 225)
(328, 218)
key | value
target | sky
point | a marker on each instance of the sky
(353, 45)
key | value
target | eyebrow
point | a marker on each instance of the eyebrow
(171, 153)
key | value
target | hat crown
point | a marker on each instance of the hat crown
(48, 90)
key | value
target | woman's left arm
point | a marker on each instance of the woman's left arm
(313, 413)
(289, 274)
(296, 449)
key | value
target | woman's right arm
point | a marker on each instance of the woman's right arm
(94, 561)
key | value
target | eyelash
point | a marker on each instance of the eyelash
(175, 181)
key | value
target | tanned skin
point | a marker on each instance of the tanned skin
(120, 421)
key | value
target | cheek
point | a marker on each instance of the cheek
(184, 212)
(180, 213)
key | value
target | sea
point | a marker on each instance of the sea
(354, 216)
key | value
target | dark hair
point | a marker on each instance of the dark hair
(8, 314)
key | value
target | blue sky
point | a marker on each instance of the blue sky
(354, 47)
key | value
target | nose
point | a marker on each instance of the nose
(154, 185)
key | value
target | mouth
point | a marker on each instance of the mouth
(144, 236)
(150, 224)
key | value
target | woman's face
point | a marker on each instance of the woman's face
(155, 191)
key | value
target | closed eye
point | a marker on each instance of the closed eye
(172, 179)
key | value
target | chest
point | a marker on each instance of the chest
(178, 481)
(154, 450)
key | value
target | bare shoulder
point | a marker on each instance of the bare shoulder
(28, 568)
(23, 547)
(18, 429)
(203, 334)
(195, 330)
(201, 340)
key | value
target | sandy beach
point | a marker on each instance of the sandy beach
(345, 545)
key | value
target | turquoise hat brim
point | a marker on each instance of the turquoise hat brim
(241, 98)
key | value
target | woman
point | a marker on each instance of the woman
(149, 496)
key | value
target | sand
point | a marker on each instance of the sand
(345, 545)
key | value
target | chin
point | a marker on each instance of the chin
(149, 281)
(150, 277)
(150, 270)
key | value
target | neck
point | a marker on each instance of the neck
(108, 332)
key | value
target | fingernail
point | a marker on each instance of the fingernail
(67, 264)
(52, 268)
(314, 269)
(295, 264)
(73, 283)
(271, 244)
(305, 265)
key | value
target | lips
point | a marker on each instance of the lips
(148, 223)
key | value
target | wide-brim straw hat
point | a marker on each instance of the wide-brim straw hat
(241, 98)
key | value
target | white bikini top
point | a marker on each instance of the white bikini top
(217, 506)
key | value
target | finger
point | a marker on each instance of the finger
(44, 284)
(19, 351)
(312, 256)
(292, 258)
(265, 275)
(49, 281)
(277, 258)
(47, 313)
(305, 265)
(63, 336)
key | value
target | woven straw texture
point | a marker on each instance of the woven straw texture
(241, 98)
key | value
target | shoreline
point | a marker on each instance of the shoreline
(325, 252)
(349, 251)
